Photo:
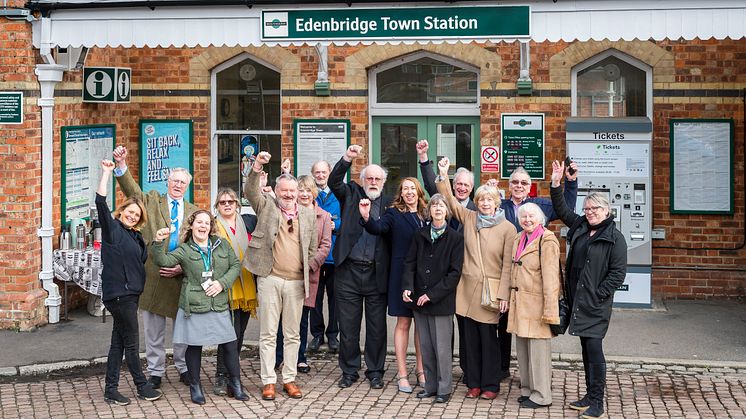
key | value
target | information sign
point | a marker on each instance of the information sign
(522, 143)
(164, 146)
(316, 140)
(11, 107)
(106, 84)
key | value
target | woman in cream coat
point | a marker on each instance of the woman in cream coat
(532, 294)
(488, 240)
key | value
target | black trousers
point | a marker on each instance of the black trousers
(326, 282)
(482, 355)
(125, 340)
(505, 340)
(356, 289)
(193, 358)
(240, 321)
(593, 351)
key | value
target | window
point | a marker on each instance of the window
(426, 80)
(612, 85)
(246, 118)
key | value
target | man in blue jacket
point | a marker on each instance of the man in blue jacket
(520, 185)
(329, 203)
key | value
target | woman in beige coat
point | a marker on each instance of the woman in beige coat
(488, 241)
(532, 293)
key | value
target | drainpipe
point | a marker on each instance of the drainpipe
(49, 75)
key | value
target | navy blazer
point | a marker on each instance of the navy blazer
(123, 255)
(349, 195)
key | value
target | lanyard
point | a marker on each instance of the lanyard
(206, 258)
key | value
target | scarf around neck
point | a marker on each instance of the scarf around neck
(436, 232)
(487, 221)
(527, 239)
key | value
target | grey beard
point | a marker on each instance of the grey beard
(372, 195)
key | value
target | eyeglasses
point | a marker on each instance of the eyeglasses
(374, 179)
(178, 182)
(520, 182)
(290, 226)
(227, 202)
(592, 209)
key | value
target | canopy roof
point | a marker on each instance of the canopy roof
(164, 23)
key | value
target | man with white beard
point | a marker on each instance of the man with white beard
(361, 263)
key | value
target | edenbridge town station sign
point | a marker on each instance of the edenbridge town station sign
(411, 23)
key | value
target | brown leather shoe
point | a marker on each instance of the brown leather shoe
(292, 390)
(268, 392)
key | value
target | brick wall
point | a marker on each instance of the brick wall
(21, 296)
(175, 83)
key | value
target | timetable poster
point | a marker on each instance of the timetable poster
(164, 146)
(83, 148)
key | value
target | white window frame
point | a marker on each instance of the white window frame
(214, 132)
(624, 57)
(420, 109)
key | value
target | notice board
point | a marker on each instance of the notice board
(319, 139)
(83, 148)
(702, 174)
(164, 146)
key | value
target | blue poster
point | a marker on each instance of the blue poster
(164, 146)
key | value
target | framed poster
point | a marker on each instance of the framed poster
(164, 146)
(83, 148)
(702, 176)
(522, 143)
(319, 139)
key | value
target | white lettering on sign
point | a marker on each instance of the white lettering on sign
(99, 84)
(334, 25)
(400, 25)
(453, 22)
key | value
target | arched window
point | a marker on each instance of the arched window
(612, 84)
(246, 116)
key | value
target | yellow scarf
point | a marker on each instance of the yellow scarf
(243, 293)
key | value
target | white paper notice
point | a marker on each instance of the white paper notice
(701, 175)
(319, 140)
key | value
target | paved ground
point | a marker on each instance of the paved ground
(664, 392)
(683, 359)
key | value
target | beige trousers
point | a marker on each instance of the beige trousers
(277, 298)
(535, 368)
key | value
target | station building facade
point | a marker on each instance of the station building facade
(580, 61)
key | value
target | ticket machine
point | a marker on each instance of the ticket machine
(614, 156)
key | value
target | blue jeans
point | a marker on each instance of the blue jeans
(279, 356)
(125, 340)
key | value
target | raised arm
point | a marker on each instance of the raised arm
(251, 189)
(444, 188)
(124, 176)
(561, 209)
(336, 180)
(108, 231)
(426, 169)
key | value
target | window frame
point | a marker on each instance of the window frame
(214, 111)
(590, 62)
(430, 109)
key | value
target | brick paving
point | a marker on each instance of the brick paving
(633, 391)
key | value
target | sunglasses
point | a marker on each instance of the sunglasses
(290, 226)
(227, 202)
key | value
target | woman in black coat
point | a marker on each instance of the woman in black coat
(431, 273)
(596, 267)
(123, 255)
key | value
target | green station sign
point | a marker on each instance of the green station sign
(391, 23)
(522, 143)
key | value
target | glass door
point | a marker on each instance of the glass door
(394, 140)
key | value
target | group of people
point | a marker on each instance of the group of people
(426, 260)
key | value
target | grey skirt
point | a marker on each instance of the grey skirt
(200, 329)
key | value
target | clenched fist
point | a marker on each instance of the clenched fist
(162, 234)
(364, 207)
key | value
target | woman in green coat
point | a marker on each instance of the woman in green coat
(210, 266)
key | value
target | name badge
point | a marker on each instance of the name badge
(206, 276)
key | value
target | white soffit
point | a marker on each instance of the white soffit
(240, 26)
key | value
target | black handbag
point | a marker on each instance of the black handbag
(564, 308)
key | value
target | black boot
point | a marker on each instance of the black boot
(221, 374)
(235, 390)
(195, 390)
(597, 388)
(585, 402)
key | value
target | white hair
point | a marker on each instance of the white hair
(464, 171)
(181, 170)
(365, 169)
(532, 208)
